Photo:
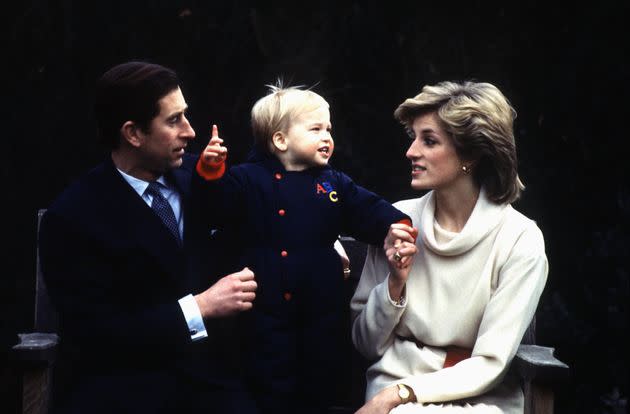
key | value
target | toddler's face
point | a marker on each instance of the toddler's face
(309, 143)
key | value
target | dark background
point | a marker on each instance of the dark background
(565, 69)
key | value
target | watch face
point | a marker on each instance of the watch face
(403, 392)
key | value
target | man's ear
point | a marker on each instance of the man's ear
(131, 133)
(279, 141)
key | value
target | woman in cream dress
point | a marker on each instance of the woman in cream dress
(441, 315)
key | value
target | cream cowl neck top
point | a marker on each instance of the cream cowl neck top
(477, 289)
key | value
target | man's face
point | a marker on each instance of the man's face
(162, 146)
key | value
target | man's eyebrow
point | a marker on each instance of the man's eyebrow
(178, 112)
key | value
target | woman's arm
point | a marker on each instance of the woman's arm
(374, 313)
(379, 300)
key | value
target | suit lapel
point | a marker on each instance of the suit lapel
(143, 225)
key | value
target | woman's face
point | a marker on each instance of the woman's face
(434, 161)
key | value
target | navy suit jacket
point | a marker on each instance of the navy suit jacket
(115, 273)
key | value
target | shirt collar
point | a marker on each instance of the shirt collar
(140, 186)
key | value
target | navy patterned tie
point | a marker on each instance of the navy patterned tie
(163, 209)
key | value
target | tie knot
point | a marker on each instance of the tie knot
(154, 188)
(163, 209)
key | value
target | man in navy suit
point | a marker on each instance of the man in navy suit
(146, 320)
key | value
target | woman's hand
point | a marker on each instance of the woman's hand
(382, 403)
(214, 154)
(399, 247)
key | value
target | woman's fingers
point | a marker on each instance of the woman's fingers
(401, 254)
(400, 248)
(407, 252)
(400, 232)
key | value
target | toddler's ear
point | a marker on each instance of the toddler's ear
(279, 141)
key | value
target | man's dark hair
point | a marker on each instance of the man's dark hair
(130, 92)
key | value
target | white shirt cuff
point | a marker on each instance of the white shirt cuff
(193, 318)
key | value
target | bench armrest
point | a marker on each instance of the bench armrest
(537, 363)
(36, 348)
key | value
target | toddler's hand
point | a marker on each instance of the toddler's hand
(214, 154)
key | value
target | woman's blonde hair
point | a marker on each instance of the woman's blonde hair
(480, 121)
(278, 109)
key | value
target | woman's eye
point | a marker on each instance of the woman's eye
(410, 133)
(429, 141)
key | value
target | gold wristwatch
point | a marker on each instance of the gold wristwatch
(404, 393)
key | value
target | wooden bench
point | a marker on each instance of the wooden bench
(34, 356)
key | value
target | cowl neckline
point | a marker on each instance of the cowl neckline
(485, 217)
